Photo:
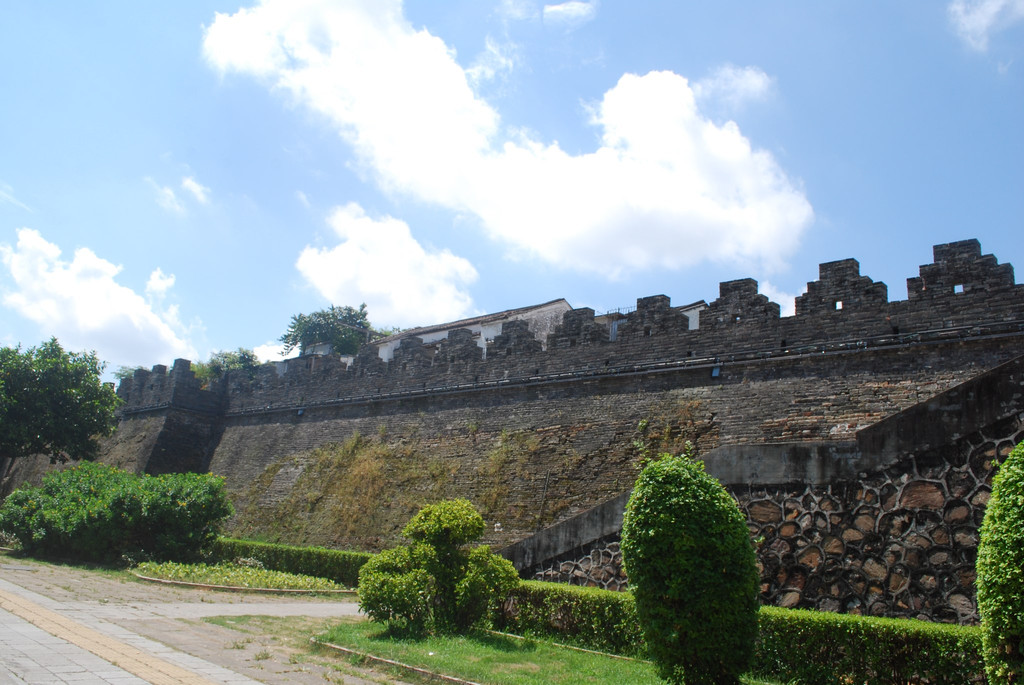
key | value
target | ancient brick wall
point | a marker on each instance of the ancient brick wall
(847, 359)
(536, 433)
(585, 430)
(963, 295)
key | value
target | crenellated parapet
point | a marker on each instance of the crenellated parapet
(960, 269)
(459, 350)
(841, 291)
(159, 389)
(961, 287)
(961, 294)
(515, 339)
(653, 317)
(739, 303)
(578, 327)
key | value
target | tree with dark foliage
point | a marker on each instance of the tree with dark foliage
(52, 402)
(345, 328)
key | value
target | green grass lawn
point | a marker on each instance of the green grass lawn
(495, 659)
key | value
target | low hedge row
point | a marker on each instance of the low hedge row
(815, 646)
(806, 647)
(341, 567)
(582, 616)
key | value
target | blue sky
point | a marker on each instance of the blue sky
(181, 178)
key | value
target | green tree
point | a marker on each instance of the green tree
(345, 328)
(1000, 569)
(52, 402)
(693, 573)
(220, 363)
(438, 582)
(122, 373)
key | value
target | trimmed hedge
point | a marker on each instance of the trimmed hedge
(815, 646)
(798, 646)
(583, 616)
(341, 567)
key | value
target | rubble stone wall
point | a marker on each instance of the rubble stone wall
(902, 541)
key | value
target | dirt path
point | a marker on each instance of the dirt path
(263, 637)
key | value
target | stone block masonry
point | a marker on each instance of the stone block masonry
(537, 431)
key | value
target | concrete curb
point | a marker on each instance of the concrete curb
(396, 664)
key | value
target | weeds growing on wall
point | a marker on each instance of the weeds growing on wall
(352, 494)
(672, 429)
(505, 463)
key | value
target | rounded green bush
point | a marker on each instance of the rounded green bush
(1000, 568)
(692, 570)
(446, 526)
(396, 591)
(437, 583)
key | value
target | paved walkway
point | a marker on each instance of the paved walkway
(45, 640)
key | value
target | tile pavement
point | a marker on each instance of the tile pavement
(45, 641)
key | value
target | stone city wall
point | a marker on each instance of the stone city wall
(537, 433)
(963, 295)
(901, 542)
(886, 524)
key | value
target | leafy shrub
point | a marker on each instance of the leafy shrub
(691, 567)
(1000, 569)
(583, 616)
(339, 566)
(436, 583)
(395, 589)
(93, 512)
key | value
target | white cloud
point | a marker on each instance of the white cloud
(732, 86)
(786, 301)
(303, 200)
(517, 10)
(200, 192)
(495, 60)
(379, 262)
(159, 283)
(976, 20)
(81, 303)
(7, 195)
(165, 197)
(666, 187)
(571, 13)
(272, 351)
